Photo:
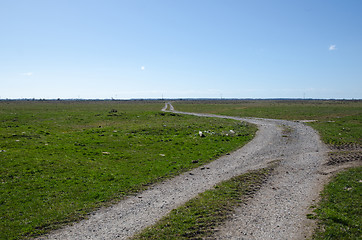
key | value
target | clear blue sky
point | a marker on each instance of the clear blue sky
(181, 49)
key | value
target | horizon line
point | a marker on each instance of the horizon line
(168, 99)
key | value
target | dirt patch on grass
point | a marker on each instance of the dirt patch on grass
(344, 154)
(341, 157)
(346, 147)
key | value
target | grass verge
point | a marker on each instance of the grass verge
(340, 210)
(199, 217)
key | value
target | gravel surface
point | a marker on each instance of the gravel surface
(277, 211)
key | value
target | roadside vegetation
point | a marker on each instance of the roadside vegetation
(59, 160)
(339, 212)
(199, 217)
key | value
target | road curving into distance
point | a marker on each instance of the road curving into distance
(277, 211)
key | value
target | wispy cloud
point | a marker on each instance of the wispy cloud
(332, 47)
(27, 74)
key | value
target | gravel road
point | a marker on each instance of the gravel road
(277, 211)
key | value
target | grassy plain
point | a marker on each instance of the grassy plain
(61, 159)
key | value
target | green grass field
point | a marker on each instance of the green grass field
(62, 159)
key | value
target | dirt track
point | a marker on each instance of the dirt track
(277, 211)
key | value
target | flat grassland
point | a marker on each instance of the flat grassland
(59, 160)
(63, 159)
